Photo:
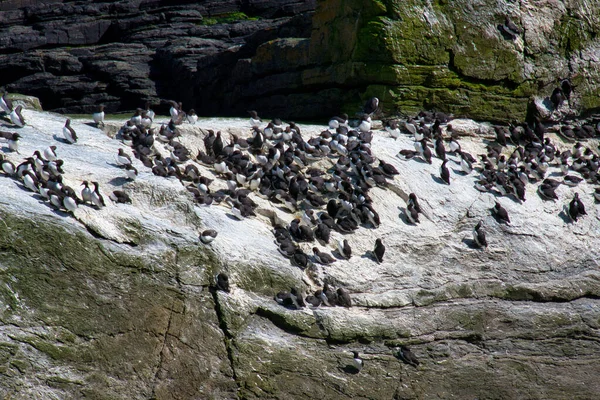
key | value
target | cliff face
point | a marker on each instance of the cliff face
(75, 55)
(227, 57)
(115, 302)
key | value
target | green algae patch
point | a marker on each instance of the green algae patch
(91, 306)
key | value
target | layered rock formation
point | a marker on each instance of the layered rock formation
(227, 57)
(78, 55)
(115, 302)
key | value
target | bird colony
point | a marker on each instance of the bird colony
(322, 184)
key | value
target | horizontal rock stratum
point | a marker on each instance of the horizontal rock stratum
(115, 302)
(301, 58)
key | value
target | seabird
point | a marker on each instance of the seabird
(357, 362)
(371, 105)
(344, 249)
(479, 235)
(123, 158)
(336, 122)
(500, 213)
(344, 299)
(379, 250)
(208, 235)
(321, 257)
(16, 117)
(444, 172)
(576, 208)
(69, 133)
(407, 356)
(222, 282)
(50, 153)
(255, 120)
(97, 198)
(192, 118)
(86, 192)
(5, 104)
(98, 116)
(412, 214)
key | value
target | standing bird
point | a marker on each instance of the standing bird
(69, 133)
(500, 213)
(357, 362)
(222, 282)
(208, 236)
(5, 104)
(412, 214)
(123, 158)
(97, 198)
(444, 172)
(407, 356)
(98, 116)
(479, 235)
(86, 192)
(412, 200)
(192, 117)
(50, 153)
(344, 249)
(16, 117)
(344, 299)
(255, 120)
(576, 208)
(379, 250)
(131, 172)
(440, 150)
(371, 106)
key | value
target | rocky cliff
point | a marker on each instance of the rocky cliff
(226, 57)
(76, 55)
(119, 302)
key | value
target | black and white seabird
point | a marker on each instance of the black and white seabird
(192, 118)
(50, 153)
(444, 172)
(407, 356)
(86, 193)
(379, 250)
(5, 104)
(344, 249)
(97, 198)
(255, 120)
(208, 235)
(412, 214)
(98, 116)
(321, 257)
(412, 200)
(69, 132)
(16, 117)
(479, 235)
(123, 158)
(576, 208)
(500, 213)
(131, 172)
(222, 282)
(357, 362)
(371, 105)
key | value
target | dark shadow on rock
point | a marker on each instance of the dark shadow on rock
(437, 179)
(350, 369)
(118, 181)
(471, 243)
(565, 217)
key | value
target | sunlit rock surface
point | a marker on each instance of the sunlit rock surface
(115, 302)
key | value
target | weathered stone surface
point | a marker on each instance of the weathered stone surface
(115, 303)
